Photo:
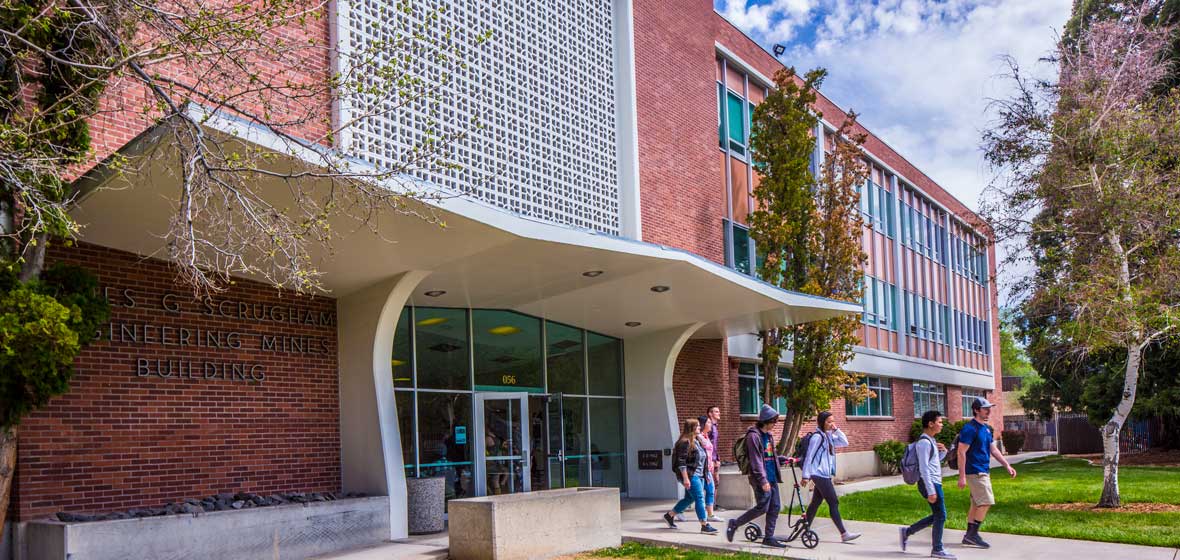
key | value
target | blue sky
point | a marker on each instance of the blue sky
(919, 72)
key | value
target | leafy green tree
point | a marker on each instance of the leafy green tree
(808, 230)
(1089, 182)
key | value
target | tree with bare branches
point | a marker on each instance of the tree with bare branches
(1088, 180)
(69, 68)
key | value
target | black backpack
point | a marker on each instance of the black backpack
(952, 454)
(800, 453)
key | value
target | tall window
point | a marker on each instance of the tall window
(878, 303)
(969, 396)
(751, 383)
(876, 204)
(929, 396)
(743, 248)
(880, 404)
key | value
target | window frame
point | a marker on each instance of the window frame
(931, 391)
(780, 403)
(883, 388)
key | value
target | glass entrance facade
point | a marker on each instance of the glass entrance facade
(444, 357)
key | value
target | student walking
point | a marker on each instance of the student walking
(710, 468)
(976, 446)
(819, 467)
(764, 478)
(930, 454)
(688, 462)
(714, 415)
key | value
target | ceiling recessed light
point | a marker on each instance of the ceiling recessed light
(435, 293)
(431, 321)
(660, 289)
(592, 273)
(632, 323)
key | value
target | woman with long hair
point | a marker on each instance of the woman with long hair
(819, 467)
(710, 467)
(688, 463)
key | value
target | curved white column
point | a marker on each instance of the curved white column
(651, 407)
(370, 441)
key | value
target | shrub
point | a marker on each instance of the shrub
(890, 453)
(1013, 441)
(43, 326)
(945, 437)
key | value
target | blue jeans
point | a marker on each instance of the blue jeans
(693, 495)
(710, 490)
(936, 518)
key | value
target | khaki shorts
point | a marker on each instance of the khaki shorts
(981, 489)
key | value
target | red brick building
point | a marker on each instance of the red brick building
(930, 330)
(592, 287)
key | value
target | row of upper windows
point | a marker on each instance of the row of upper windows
(926, 318)
(973, 334)
(927, 396)
(967, 260)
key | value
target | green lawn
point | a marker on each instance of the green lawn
(636, 550)
(1051, 480)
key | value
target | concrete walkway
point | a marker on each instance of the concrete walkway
(642, 523)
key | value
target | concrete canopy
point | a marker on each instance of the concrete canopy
(484, 257)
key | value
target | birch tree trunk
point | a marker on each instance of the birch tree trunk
(1110, 432)
(7, 473)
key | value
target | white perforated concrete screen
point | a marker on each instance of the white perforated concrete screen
(543, 88)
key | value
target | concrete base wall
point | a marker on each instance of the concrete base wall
(857, 464)
(288, 532)
(535, 524)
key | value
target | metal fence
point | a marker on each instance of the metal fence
(1039, 435)
(1076, 435)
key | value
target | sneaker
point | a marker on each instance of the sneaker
(849, 537)
(944, 555)
(730, 529)
(708, 529)
(715, 519)
(773, 543)
(671, 520)
(903, 536)
(680, 517)
(976, 541)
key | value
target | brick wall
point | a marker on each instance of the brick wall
(125, 436)
(122, 115)
(681, 202)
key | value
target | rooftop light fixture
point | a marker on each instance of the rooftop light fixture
(592, 273)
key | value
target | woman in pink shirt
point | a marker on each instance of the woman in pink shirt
(710, 467)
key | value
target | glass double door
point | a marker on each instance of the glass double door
(521, 443)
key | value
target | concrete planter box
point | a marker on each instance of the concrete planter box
(535, 524)
(735, 493)
(289, 532)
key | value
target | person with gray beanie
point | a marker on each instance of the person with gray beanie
(764, 477)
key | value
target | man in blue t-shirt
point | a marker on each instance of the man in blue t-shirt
(976, 447)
